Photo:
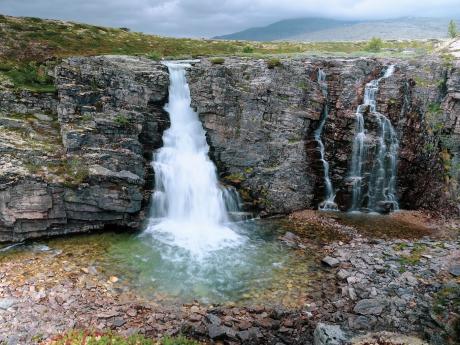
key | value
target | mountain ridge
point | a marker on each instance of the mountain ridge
(326, 29)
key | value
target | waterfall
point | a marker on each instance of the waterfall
(189, 209)
(381, 192)
(328, 204)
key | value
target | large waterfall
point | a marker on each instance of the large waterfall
(189, 208)
(381, 193)
(328, 204)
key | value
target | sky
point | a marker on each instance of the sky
(207, 18)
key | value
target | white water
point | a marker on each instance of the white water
(382, 184)
(328, 204)
(189, 206)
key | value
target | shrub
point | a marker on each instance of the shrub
(272, 63)
(452, 29)
(121, 120)
(375, 44)
(217, 61)
(248, 50)
(153, 55)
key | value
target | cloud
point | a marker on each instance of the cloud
(204, 18)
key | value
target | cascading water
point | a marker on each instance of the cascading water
(328, 204)
(189, 207)
(382, 182)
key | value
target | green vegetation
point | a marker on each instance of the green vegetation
(452, 29)
(433, 118)
(96, 338)
(31, 47)
(272, 63)
(155, 56)
(121, 120)
(31, 76)
(217, 61)
(375, 45)
(414, 257)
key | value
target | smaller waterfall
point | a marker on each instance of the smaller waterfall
(328, 204)
(382, 182)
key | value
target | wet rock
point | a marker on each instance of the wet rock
(325, 334)
(330, 261)
(369, 307)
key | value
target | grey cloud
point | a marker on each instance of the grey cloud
(204, 18)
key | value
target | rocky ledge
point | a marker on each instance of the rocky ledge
(78, 160)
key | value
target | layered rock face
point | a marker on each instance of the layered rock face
(260, 121)
(78, 160)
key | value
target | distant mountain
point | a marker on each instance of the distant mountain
(286, 29)
(322, 29)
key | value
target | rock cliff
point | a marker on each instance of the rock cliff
(260, 121)
(79, 159)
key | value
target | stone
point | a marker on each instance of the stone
(6, 303)
(325, 334)
(369, 307)
(131, 312)
(454, 269)
(118, 322)
(217, 332)
(330, 261)
(342, 274)
(213, 319)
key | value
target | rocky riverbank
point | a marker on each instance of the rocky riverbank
(407, 286)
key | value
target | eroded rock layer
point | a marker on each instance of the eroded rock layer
(260, 122)
(79, 159)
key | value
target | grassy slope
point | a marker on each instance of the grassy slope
(29, 47)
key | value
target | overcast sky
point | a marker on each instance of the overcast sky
(205, 18)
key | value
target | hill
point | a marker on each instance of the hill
(286, 29)
(321, 29)
(31, 47)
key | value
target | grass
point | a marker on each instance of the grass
(217, 61)
(273, 62)
(414, 257)
(32, 46)
(121, 120)
(98, 338)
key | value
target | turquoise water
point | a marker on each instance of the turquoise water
(260, 269)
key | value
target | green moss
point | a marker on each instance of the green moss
(248, 50)
(217, 61)
(414, 257)
(121, 120)
(180, 340)
(31, 76)
(400, 246)
(272, 63)
(109, 338)
(235, 178)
